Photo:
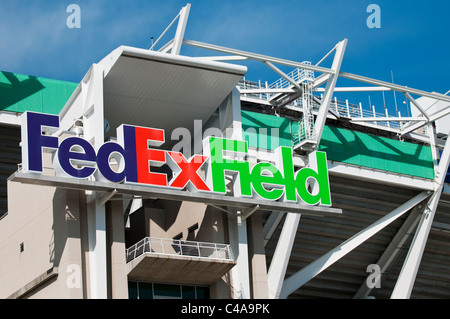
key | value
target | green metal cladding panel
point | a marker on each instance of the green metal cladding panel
(20, 93)
(344, 145)
(266, 131)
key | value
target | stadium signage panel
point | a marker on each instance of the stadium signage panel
(137, 151)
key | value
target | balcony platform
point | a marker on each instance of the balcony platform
(174, 261)
(154, 267)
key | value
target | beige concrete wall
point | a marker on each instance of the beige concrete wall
(29, 221)
(52, 225)
(167, 219)
(46, 221)
(67, 249)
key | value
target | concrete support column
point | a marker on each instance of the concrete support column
(257, 257)
(97, 249)
(240, 276)
(117, 272)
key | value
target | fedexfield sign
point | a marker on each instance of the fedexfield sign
(135, 154)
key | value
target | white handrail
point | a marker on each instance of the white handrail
(169, 246)
(344, 109)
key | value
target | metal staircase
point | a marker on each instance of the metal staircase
(305, 138)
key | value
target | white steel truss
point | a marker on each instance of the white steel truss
(307, 273)
(329, 76)
(283, 97)
(405, 282)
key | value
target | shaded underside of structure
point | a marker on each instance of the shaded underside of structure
(362, 204)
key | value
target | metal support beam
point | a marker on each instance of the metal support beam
(164, 32)
(104, 198)
(320, 80)
(326, 55)
(329, 90)
(271, 225)
(256, 56)
(307, 273)
(181, 28)
(249, 211)
(283, 75)
(223, 58)
(357, 89)
(437, 115)
(387, 259)
(412, 127)
(407, 277)
(267, 91)
(166, 48)
(393, 86)
(290, 90)
(417, 105)
(384, 119)
(280, 260)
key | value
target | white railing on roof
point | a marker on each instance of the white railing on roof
(298, 75)
(344, 109)
(168, 246)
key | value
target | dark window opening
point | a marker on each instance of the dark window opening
(146, 290)
(10, 156)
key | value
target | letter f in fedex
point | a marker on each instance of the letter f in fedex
(34, 126)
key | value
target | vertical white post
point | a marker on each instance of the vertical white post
(181, 28)
(242, 261)
(280, 260)
(434, 149)
(387, 115)
(93, 125)
(348, 108)
(329, 90)
(230, 125)
(240, 274)
(97, 250)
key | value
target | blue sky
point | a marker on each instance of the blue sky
(412, 41)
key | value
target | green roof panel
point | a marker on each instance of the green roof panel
(346, 146)
(20, 93)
